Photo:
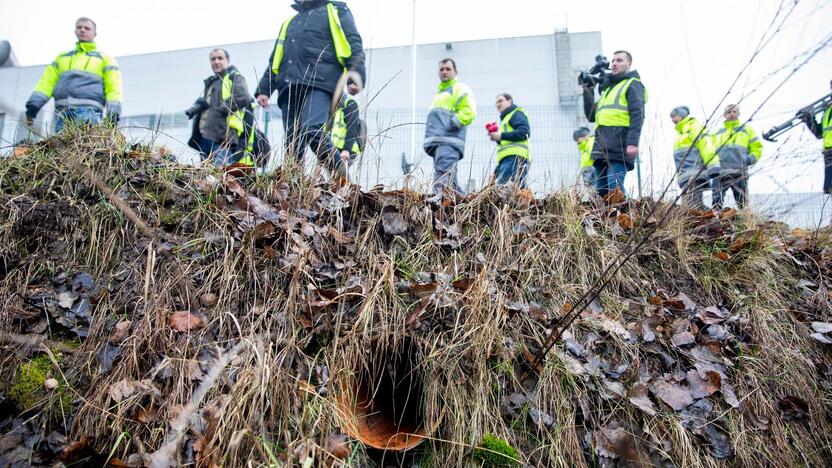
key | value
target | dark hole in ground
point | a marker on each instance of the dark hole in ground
(385, 402)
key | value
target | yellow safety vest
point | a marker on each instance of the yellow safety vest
(235, 120)
(512, 148)
(342, 47)
(585, 147)
(338, 134)
(826, 125)
(612, 107)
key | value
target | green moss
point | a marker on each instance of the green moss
(28, 391)
(171, 216)
(494, 451)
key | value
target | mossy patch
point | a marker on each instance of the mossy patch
(494, 451)
(28, 388)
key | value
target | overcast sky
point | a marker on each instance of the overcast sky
(688, 52)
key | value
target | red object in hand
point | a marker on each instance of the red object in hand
(492, 127)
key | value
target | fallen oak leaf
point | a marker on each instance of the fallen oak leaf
(674, 395)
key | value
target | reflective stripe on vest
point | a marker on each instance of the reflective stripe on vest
(512, 148)
(612, 107)
(826, 125)
(342, 47)
(338, 134)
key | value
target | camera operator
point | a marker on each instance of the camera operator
(219, 115)
(823, 130)
(619, 116)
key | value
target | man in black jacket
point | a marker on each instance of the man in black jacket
(619, 116)
(219, 129)
(346, 133)
(314, 48)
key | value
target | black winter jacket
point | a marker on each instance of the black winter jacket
(309, 57)
(611, 142)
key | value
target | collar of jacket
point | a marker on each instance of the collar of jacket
(615, 79)
(504, 113)
(308, 5)
(214, 76)
(85, 46)
(684, 123)
(732, 124)
(443, 85)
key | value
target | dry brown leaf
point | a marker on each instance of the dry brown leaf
(723, 256)
(338, 445)
(120, 331)
(703, 387)
(683, 339)
(184, 321)
(676, 396)
(638, 396)
(625, 221)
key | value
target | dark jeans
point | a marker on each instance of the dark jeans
(693, 193)
(609, 175)
(305, 113)
(827, 171)
(220, 155)
(82, 114)
(512, 169)
(738, 183)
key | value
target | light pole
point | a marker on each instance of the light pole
(413, 86)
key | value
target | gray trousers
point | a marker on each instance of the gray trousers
(445, 159)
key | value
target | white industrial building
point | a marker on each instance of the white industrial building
(538, 71)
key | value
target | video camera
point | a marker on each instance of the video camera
(199, 105)
(597, 75)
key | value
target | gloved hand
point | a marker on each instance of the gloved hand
(750, 160)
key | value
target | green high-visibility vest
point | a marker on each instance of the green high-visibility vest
(826, 125)
(235, 120)
(512, 148)
(338, 134)
(612, 107)
(342, 47)
(585, 147)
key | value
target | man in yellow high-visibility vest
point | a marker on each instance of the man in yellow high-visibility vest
(452, 110)
(823, 130)
(313, 49)
(512, 138)
(738, 148)
(218, 130)
(619, 116)
(84, 82)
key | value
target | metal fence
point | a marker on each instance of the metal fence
(555, 158)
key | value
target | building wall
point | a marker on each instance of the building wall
(160, 86)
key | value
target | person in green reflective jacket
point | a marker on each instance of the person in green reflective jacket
(694, 156)
(512, 138)
(84, 82)
(822, 130)
(452, 110)
(738, 148)
(583, 137)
